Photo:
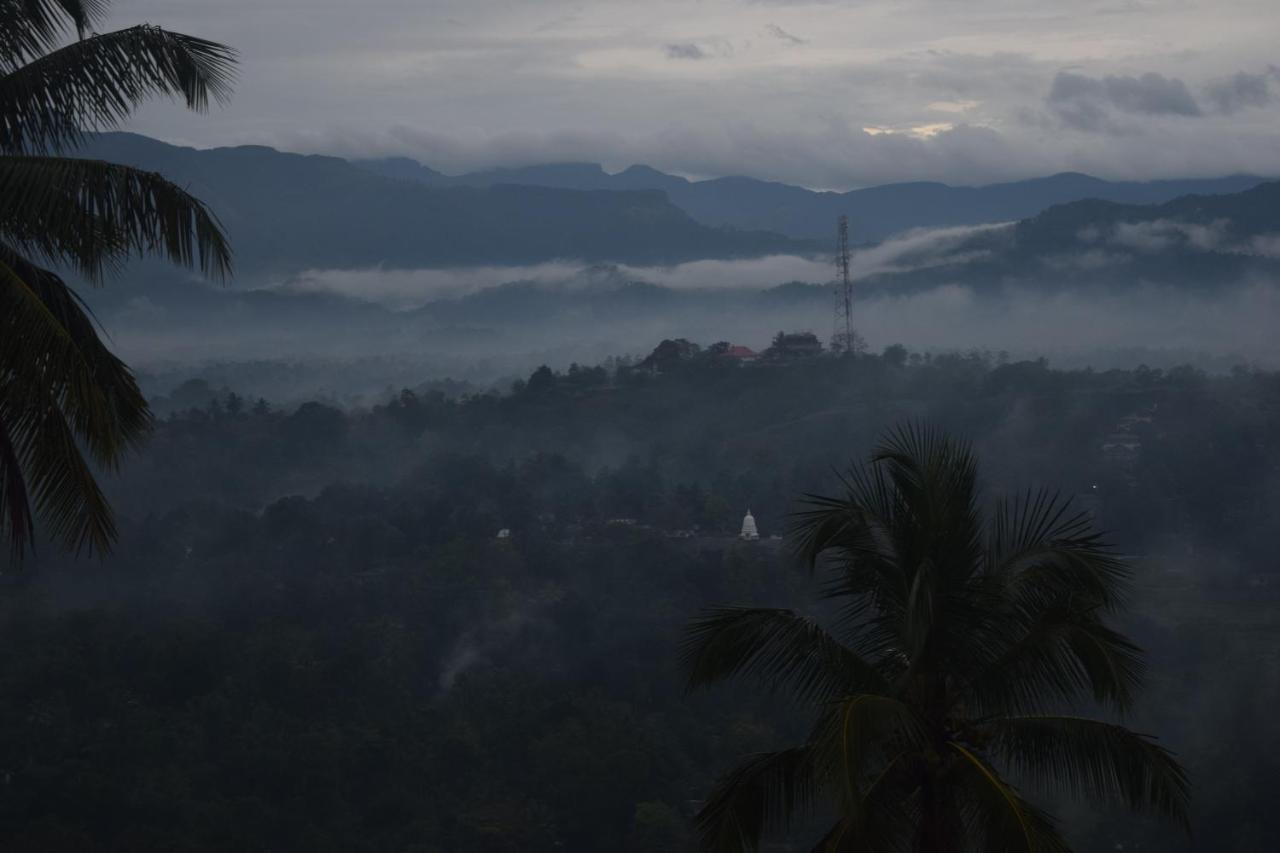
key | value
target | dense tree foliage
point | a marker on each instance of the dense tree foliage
(310, 637)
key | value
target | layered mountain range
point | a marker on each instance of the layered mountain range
(336, 263)
(875, 213)
(288, 212)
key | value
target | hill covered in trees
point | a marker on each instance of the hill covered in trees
(289, 212)
(875, 213)
(313, 638)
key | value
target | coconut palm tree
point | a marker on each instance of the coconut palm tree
(958, 648)
(65, 400)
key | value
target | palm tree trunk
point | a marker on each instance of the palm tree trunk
(936, 831)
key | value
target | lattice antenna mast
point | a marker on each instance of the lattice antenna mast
(843, 331)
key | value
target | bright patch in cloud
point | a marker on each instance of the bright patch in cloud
(953, 106)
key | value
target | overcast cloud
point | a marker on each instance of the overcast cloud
(827, 94)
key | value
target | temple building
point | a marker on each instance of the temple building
(749, 531)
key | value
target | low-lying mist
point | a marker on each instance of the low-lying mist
(347, 335)
(405, 289)
(331, 355)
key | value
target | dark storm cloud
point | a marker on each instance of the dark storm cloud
(1151, 94)
(1088, 103)
(1241, 90)
(687, 50)
(782, 35)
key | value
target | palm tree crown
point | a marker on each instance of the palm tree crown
(955, 645)
(65, 400)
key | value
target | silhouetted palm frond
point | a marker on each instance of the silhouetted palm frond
(65, 400)
(95, 83)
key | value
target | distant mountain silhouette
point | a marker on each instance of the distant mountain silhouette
(1194, 241)
(290, 212)
(286, 212)
(1088, 249)
(875, 212)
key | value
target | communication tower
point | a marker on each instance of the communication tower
(843, 338)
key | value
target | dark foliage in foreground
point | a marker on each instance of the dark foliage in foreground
(66, 402)
(957, 641)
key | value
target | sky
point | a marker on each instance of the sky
(833, 95)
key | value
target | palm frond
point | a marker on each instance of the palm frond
(47, 380)
(853, 526)
(890, 808)
(862, 743)
(64, 492)
(853, 536)
(997, 819)
(1040, 551)
(17, 522)
(95, 388)
(934, 474)
(779, 647)
(30, 27)
(762, 795)
(936, 526)
(1063, 655)
(91, 214)
(94, 83)
(1102, 761)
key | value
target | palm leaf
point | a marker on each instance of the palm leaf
(1095, 759)
(889, 809)
(855, 753)
(30, 27)
(97, 390)
(46, 376)
(779, 647)
(763, 794)
(1039, 549)
(997, 818)
(17, 522)
(861, 738)
(854, 536)
(1063, 654)
(65, 494)
(91, 214)
(935, 479)
(94, 83)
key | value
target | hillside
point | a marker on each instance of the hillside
(875, 212)
(310, 629)
(1196, 242)
(287, 212)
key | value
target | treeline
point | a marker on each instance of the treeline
(694, 441)
(311, 637)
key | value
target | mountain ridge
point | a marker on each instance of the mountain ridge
(286, 212)
(875, 212)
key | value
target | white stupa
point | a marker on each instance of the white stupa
(749, 531)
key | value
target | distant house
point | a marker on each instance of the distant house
(725, 351)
